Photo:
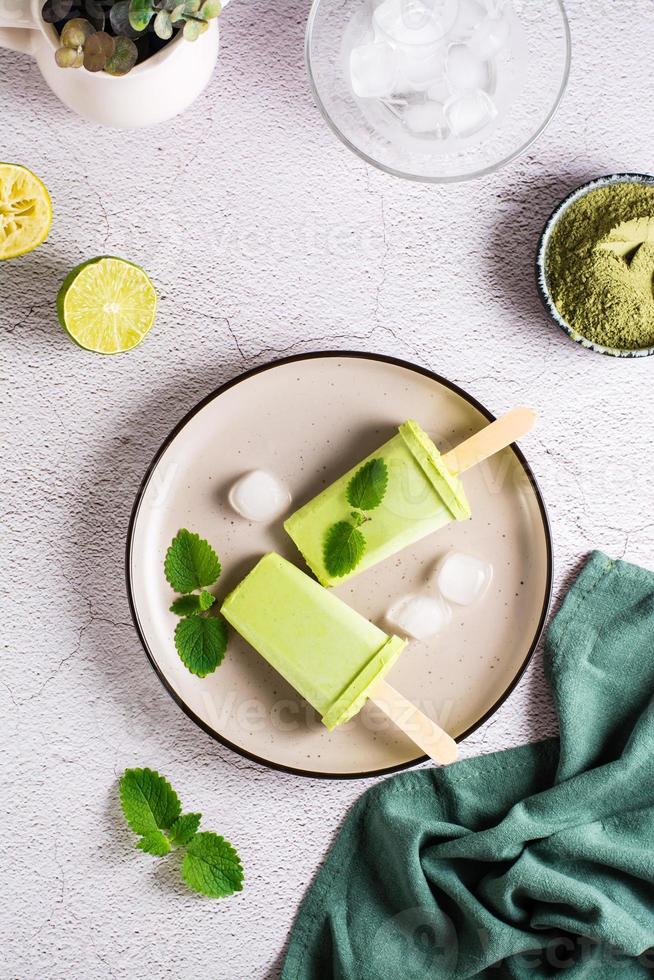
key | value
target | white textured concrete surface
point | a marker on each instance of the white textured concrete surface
(265, 236)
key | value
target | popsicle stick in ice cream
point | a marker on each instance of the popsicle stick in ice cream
(425, 733)
(490, 440)
(423, 494)
(331, 654)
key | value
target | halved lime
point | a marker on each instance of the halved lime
(25, 211)
(107, 305)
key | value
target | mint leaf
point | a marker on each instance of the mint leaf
(155, 842)
(212, 867)
(185, 829)
(191, 605)
(201, 643)
(148, 800)
(343, 548)
(191, 563)
(367, 487)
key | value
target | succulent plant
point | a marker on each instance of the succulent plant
(114, 35)
(191, 16)
(82, 44)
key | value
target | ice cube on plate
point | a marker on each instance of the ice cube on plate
(464, 70)
(490, 36)
(373, 70)
(412, 22)
(428, 117)
(259, 496)
(467, 114)
(463, 578)
(419, 616)
(469, 15)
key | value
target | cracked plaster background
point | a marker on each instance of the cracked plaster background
(265, 237)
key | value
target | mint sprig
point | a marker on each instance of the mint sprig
(201, 643)
(368, 486)
(148, 800)
(152, 809)
(190, 565)
(343, 548)
(191, 605)
(212, 867)
(345, 544)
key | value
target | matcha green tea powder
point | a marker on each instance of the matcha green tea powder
(600, 266)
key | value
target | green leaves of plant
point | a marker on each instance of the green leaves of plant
(155, 843)
(151, 806)
(185, 829)
(200, 639)
(345, 544)
(140, 14)
(368, 486)
(343, 548)
(191, 605)
(212, 867)
(149, 802)
(201, 643)
(191, 563)
(163, 25)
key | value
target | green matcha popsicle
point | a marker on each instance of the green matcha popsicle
(329, 653)
(421, 496)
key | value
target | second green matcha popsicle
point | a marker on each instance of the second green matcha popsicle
(421, 496)
(327, 651)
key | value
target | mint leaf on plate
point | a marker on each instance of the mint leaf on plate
(343, 548)
(155, 843)
(191, 605)
(367, 487)
(184, 830)
(191, 563)
(201, 643)
(212, 867)
(148, 800)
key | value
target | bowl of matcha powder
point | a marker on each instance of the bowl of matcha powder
(595, 265)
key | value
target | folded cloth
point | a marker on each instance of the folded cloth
(528, 863)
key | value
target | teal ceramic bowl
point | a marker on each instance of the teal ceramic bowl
(541, 262)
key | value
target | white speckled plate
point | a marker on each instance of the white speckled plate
(308, 419)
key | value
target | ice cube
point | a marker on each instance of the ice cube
(373, 70)
(467, 114)
(464, 70)
(419, 616)
(470, 14)
(412, 22)
(439, 91)
(464, 579)
(259, 496)
(420, 69)
(428, 117)
(490, 36)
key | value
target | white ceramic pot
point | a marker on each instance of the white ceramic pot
(156, 90)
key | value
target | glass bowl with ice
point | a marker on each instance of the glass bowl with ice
(438, 90)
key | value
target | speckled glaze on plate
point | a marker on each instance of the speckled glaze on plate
(308, 419)
(541, 262)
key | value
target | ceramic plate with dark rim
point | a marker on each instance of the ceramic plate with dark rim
(307, 419)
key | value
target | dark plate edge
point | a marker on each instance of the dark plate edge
(387, 359)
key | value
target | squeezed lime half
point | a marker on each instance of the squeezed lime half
(107, 305)
(25, 211)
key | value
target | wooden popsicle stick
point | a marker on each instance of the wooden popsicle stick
(426, 734)
(496, 436)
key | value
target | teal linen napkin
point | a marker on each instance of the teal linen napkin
(528, 863)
